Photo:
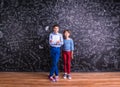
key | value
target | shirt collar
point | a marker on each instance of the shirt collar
(55, 33)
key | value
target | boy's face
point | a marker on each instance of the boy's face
(66, 34)
(56, 29)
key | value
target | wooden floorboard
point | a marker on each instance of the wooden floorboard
(40, 79)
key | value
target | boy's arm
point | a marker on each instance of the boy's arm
(60, 42)
(51, 42)
(61, 39)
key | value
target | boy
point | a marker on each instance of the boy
(55, 41)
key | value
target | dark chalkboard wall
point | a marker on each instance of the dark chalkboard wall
(25, 26)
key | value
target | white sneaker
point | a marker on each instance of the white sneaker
(51, 78)
(65, 76)
(56, 78)
(69, 77)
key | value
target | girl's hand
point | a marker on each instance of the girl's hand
(72, 56)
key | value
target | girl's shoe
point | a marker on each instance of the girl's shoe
(51, 78)
(69, 77)
(65, 76)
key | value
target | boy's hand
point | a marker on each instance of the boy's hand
(58, 42)
(51, 41)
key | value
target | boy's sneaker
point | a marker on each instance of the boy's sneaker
(65, 76)
(69, 77)
(56, 78)
(51, 78)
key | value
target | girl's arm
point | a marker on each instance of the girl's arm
(72, 48)
(72, 54)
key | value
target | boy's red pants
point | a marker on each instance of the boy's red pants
(67, 61)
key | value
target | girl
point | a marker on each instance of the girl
(55, 41)
(68, 47)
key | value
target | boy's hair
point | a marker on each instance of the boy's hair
(56, 25)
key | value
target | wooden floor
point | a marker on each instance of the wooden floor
(40, 79)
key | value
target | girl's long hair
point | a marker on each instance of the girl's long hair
(66, 31)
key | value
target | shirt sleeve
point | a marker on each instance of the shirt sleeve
(50, 38)
(61, 39)
(72, 45)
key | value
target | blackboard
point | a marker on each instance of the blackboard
(25, 26)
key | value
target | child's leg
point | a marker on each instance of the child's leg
(65, 64)
(68, 62)
(57, 60)
(68, 65)
(53, 65)
(53, 58)
(65, 61)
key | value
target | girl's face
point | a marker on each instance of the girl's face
(56, 29)
(66, 34)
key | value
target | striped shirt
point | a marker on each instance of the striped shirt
(55, 37)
